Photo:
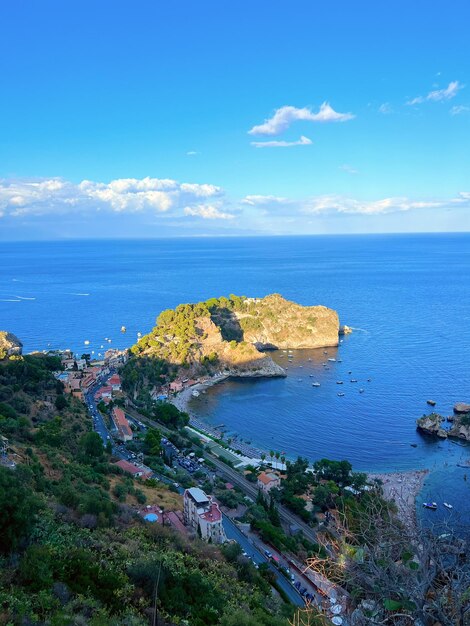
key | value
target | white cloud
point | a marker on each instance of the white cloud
(336, 204)
(131, 195)
(192, 153)
(303, 141)
(256, 200)
(385, 108)
(286, 115)
(439, 95)
(459, 109)
(208, 212)
(349, 169)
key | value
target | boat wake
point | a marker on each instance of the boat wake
(78, 294)
(361, 330)
(8, 300)
(24, 298)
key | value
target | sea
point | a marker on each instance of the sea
(407, 298)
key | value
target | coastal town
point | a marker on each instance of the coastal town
(99, 386)
(224, 491)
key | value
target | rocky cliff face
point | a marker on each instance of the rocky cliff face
(274, 322)
(10, 345)
(229, 334)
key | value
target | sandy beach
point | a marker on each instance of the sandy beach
(403, 488)
(182, 398)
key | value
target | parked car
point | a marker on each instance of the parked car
(268, 554)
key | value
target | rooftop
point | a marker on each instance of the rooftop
(213, 514)
(133, 469)
(267, 478)
(197, 495)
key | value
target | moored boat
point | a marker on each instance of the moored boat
(430, 505)
(448, 506)
(315, 384)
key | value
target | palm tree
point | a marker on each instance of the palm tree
(283, 460)
(263, 456)
(277, 455)
(271, 454)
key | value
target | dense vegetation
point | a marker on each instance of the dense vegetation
(72, 549)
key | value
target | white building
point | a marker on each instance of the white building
(201, 512)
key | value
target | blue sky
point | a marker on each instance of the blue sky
(120, 119)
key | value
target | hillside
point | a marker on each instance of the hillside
(72, 548)
(229, 333)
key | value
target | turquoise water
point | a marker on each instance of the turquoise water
(407, 297)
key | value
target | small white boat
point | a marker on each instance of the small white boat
(195, 393)
(86, 342)
(331, 359)
(339, 382)
(340, 394)
(361, 390)
(354, 380)
(430, 505)
(123, 329)
(315, 384)
(448, 506)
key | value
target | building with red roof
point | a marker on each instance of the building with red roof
(115, 382)
(124, 431)
(202, 514)
(139, 471)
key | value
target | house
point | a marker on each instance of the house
(103, 392)
(81, 364)
(115, 382)
(268, 480)
(202, 514)
(73, 387)
(87, 382)
(124, 431)
(138, 471)
(176, 386)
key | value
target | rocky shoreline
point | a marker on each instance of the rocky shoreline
(402, 488)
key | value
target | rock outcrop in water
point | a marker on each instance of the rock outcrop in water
(461, 408)
(229, 335)
(431, 425)
(10, 345)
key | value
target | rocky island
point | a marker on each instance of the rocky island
(230, 336)
(460, 429)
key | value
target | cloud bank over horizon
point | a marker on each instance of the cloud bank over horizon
(161, 205)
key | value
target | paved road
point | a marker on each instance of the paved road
(230, 528)
(253, 553)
